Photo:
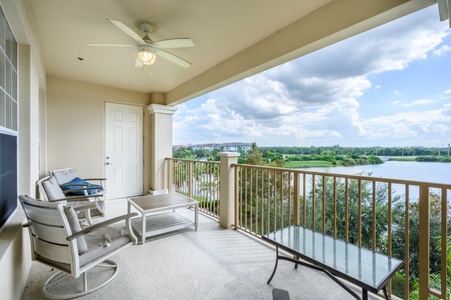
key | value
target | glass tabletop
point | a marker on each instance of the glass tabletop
(365, 266)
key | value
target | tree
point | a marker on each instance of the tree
(254, 156)
(352, 214)
(414, 218)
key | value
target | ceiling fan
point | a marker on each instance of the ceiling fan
(148, 49)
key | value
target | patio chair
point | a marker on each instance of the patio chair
(73, 185)
(50, 190)
(57, 240)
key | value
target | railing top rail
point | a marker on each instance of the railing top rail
(361, 177)
(194, 160)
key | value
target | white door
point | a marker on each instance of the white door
(124, 150)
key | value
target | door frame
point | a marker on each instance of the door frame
(107, 102)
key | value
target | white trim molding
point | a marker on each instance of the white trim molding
(161, 109)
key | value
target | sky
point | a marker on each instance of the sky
(388, 87)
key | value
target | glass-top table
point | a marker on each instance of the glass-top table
(365, 268)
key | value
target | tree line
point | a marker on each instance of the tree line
(194, 152)
(378, 151)
(335, 155)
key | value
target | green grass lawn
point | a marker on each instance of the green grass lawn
(308, 164)
(403, 158)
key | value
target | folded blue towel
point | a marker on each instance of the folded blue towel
(75, 189)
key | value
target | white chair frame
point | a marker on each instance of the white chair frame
(55, 244)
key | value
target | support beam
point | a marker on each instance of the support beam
(160, 144)
(227, 188)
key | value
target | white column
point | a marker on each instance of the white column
(29, 123)
(160, 145)
(227, 188)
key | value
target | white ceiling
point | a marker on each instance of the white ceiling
(220, 29)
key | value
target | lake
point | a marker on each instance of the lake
(417, 171)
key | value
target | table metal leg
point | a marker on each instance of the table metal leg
(364, 294)
(384, 289)
(275, 267)
(296, 257)
(332, 276)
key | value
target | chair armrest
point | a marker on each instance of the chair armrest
(74, 184)
(91, 205)
(100, 225)
(76, 198)
(101, 179)
(85, 207)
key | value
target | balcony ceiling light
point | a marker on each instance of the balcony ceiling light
(146, 54)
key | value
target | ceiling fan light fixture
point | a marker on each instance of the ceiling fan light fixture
(146, 55)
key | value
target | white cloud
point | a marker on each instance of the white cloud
(313, 100)
(442, 50)
(416, 124)
(414, 102)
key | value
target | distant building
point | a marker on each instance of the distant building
(226, 147)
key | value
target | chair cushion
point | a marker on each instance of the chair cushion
(52, 189)
(103, 241)
(78, 181)
(75, 227)
(65, 176)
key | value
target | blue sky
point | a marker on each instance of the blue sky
(390, 87)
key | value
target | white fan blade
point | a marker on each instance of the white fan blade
(174, 43)
(128, 31)
(173, 58)
(111, 45)
(138, 63)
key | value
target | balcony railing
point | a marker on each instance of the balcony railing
(404, 219)
(198, 180)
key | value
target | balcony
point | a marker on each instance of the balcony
(403, 219)
(216, 263)
(211, 263)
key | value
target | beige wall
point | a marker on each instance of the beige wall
(76, 125)
(15, 256)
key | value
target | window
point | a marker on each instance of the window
(8, 120)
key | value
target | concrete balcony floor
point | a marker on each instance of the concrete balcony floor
(211, 263)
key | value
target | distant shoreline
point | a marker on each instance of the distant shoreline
(328, 164)
(403, 158)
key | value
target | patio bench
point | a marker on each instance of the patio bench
(338, 259)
